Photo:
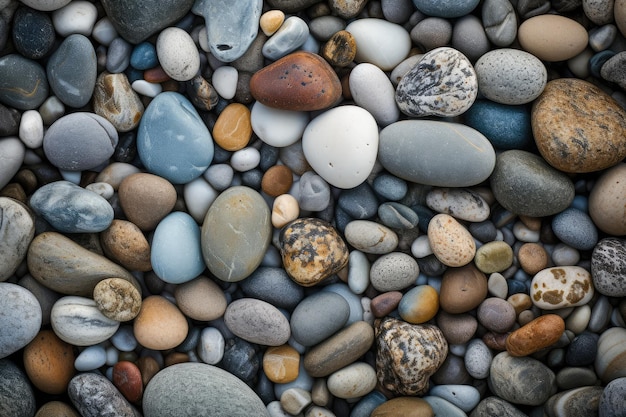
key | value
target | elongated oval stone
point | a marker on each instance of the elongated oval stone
(21, 318)
(77, 320)
(436, 153)
(561, 287)
(94, 395)
(115, 100)
(236, 233)
(23, 82)
(17, 229)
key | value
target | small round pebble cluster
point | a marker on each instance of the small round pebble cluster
(312, 208)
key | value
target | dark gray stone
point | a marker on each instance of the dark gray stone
(9, 121)
(608, 267)
(17, 398)
(240, 359)
(612, 399)
(397, 11)
(274, 286)
(484, 231)
(359, 202)
(94, 395)
(33, 34)
(500, 22)
(318, 317)
(290, 6)
(582, 350)
(530, 8)
(614, 69)
(496, 407)
(397, 216)
(23, 82)
(390, 187)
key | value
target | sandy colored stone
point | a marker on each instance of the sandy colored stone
(115, 173)
(385, 303)
(146, 199)
(117, 299)
(607, 200)
(277, 180)
(520, 302)
(405, 407)
(281, 364)
(160, 325)
(450, 241)
(285, 209)
(578, 127)
(462, 289)
(49, 362)
(56, 409)
(271, 21)
(532, 258)
(340, 49)
(233, 128)
(201, 299)
(125, 243)
(552, 37)
(540, 333)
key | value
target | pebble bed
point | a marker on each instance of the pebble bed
(312, 208)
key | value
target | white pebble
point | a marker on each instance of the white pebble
(178, 54)
(91, 358)
(245, 159)
(478, 359)
(211, 346)
(420, 248)
(278, 127)
(104, 32)
(497, 285)
(31, 129)
(224, 81)
(203, 39)
(380, 42)
(358, 272)
(579, 319)
(199, 195)
(524, 234)
(146, 88)
(103, 189)
(77, 17)
(284, 209)
(371, 89)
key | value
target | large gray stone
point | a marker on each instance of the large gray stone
(17, 398)
(17, 229)
(21, 318)
(494, 406)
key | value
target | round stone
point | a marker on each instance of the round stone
(419, 304)
(340, 49)
(450, 241)
(478, 359)
(17, 398)
(33, 34)
(22, 318)
(607, 267)
(233, 128)
(393, 271)
(78, 321)
(606, 201)
(277, 127)
(257, 321)
(462, 289)
(612, 397)
(159, 325)
(277, 180)
(506, 127)
(273, 284)
(609, 363)
(17, 229)
(177, 54)
(146, 199)
(493, 257)
(370, 237)
(552, 37)
(575, 228)
(55, 409)
(115, 100)
(201, 299)
(117, 299)
(281, 364)
(127, 379)
(460, 203)
(496, 314)
(372, 90)
(532, 258)
(458, 329)
(446, 8)
(23, 82)
(353, 381)
(49, 362)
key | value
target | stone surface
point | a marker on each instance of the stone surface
(24, 84)
(146, 199)
(612, 397)
(582, 236)
(77, 320)
(94, 395)
(495, 406)
(540, 333)
(233, 129)
(552, 37)
(609, 363)
(125, 243)
(450, 241)
(127, 379)
(177, 54)
(291, 35)
(506, 127)
(370, 237)
(605, 201)
(49, 362)
(318, 316)
(462, 289)
(117, 299)
(201, 299)
(560, 287)
(607, 267)
(16, 394)
(419, 305)
(462, 204)
(21, 318)
(393, 271)
(379, 42)
(281, 364)
(115, 100)
(273, 284)
(17, 229)
(257, 321)
(500, 22)
(404, 406)
(33, 34)
(160, 325)
(496, 315)
(353, 381)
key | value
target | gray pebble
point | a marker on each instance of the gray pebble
(397, 11)
(394, 272)
(575, 228)
(469, 37)
(574, 377)
(484, 231)
(17, 229)
(614, 70)
(118, 55)
(23, 82)
(499, 21)
(318, 317)
(478, 359)
(390, 187)
(290, 36)
(432, 33)
(359, 202)
(324, 27)
(612, 398)
(274, 286)
(94, 395)
(9, 121)
(530, 8)
(397, 216)
(599, 12)
(314, 192)
(21, 318)
(257, 321)
(17, 398)
(494, 406)
(220, 176)
(608, 266)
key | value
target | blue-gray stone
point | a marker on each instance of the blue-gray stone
(608, 268)
(21, 318)
(17, 398)
(240, 359)
(135, 21)
(442, 154)
(582, 350)
(314, 192)
(506, 126)
(318, 317)
(515, 287)
(72, 70)
(494, 406)
(94, 395)
(144, 56)
(598, 60)
(72, 209)
(290, 36)
(9, 121)
(342, 218)
(359, 202)
(80, 141)
(500, 22)
(390, 187)
(23, 82)
(118, 55)
(484, 231)
(231, 25)
(33, 34)
(612, 399)
(173, 141)
(269, 156)
(397, 216)
(424, 215)
(220, 176)
(274, 286)
(575, 228)
(367, 404)
(446, 8)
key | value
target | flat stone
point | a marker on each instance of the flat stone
(257, 321)
(281, 364)
(463, 204)
(93, 394)
(478, 359)
(17, 397)
(115, 100)
(17, 229)
(318, 317)
(23, 82)
(340, 49)
(10, 120)
(393, 272)
(49, 362)
(201, 299)
(78, 321)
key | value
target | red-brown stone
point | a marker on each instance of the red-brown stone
(385, 303)
(127, 379)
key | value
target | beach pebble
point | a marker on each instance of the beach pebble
(16, 393)
(318, 316)
(447, 9)
(500, 22)
(379, 42)
(478, 359)
(533, 257)
(607, 267)
(371, 89)
(432, 32)
(495, 256)
(521, 380)
(281, 364)
(124, 242)
(464, 397)
(582, 350)
(271, 20)
(564, 39)
(257, 321)
(370, 237)
(397, 216)
(17, 229)
(419, 304)
(314, 193)
(462, 289)
(606, 202)
(540, 333)
(33, 34)
(91, 393)
(599, 12)
(609, 363)
(127, 379)
(117, 299)
(31, 129)
(46, 5)
(233, 130)
(290, 36)
(385, 303)
(612, 397)
(78, 321)
(404, 406)
(177, 54)
(560, 287)
(115, 100)
(49, 362)
(506, 126)
(469, 37)
(160, 325)
(211, 346)
(495, 406)
(91, 358)
(458, 329)
(353, 381)
(450, 241)
(26, 91)
(496, 314)
(200, 299)
(393, 271)
(277, 127)
(146, 199)
(583, 236)
(463, 204)
(22, 318)
(340, 49)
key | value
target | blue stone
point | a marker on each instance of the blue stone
(342, 218)
(515, 287)
(575, 228)
(424, 215)
(23, 82)
(359, 202)
(598, 60)
(172, 140)
(118, 55)
(72, 209)
(506, 127)
(144, 56)
(72, 71)
(33, 33)
(581, 203)
(390, 187)
(274, 286)
(176, 253)
(367, 404)
(240, 359)
(133, 74)
(446, 8)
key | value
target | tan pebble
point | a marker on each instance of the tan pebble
(201, 299)
(405, 407)
(174, 358)
(419, 304)
(115, 173)
(271, 21)
(281, 364)
(552, 37)
(117, 299)
(125, 243)
(462, 289)
(493, 257)
(115, 100)
(233, 128)
(533, 223)
(611, 358)
(277, 180)
(49, 362)
(353, 381)
(520, 302)
(532, 258)
(540, 333)
(56, 409)
(450, 241)
(525, 317)
(607, 200)
(319, 392)
(294, 400)
(149, 367)
(340, 50)
(146, 199)
(160, 325)
(385, 303)
(284, 210)
(560, 287)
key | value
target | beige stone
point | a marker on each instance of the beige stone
(146, 199)
(450, 241)
(271, 21)
(49, 362)
(552, 37)
(125, 243)
(607, 200)
(233, 128)
(160, 325)
(117, 299)
(201, 299)
(281, 364)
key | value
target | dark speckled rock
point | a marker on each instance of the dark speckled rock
(33, 33)
(608, 267)
(612, 398)
(17, 398)
(494, 406)
(577, 402)
(94, 395)
(9, 121)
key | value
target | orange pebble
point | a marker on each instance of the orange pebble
(277, 180)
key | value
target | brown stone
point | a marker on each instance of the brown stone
(607, 200)
(149, 367)
(201, 299)
(340, 49)
(127, 379)
(146, 199)
(49, 362)
(532, 258)
(125, 243)
(540, 333)
(533, 223)
(117, 299)
(300, 81)
(156, 75)
(202, 94)
(160, 325)
(56, 409)
(15, 191)
(115, 100)
(495, 341)
(385, 303)
(173, 358)
(277, 180)
(578, 127)
(281, 364)
(233, 128)
(405, 407)
(462, 289)
(458, 329)
(520, 302)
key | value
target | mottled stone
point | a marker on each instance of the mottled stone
(340, 49)
(608, 267)
(17, 229)
(17, 398)
(125, 243)
(540, 333)
(561, 287)
(612, 398)
(21, 318)
(117, 299)
(115, 100)
(495, 406)
(500, 22)
(521, 380)
(577, 402)
(94, 395)
(450, 241)
(443, 83)
(407, 355)
(23, 82)
(77, 320)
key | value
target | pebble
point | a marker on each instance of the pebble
(379, 42)
(450, 241)
(560, 287)
(372, 90)
(318, 317)
(500, 22)
(92, 394)
(583, 236)
(432, 33)
(201, 299)
(257, 321)
(233, 129)
(353, 381)
(177, 54)
(93, 357)
(462, 289)
(359, 202)
(26, 91)
(313, 192)
(609, 359)
(124, 242)
(277, 127)
(78, 321)
(49, 362)
(565, 39)
(462, 204)
(404, 406)
(291, 35)
(606, 267)
(17, 229)
(340, 49)
(419, 305)
(22, 318)
(612, 397)
(540, 333)
(605, 201)
(506, 126)
(574, 377)
(393, 272)
(469, 37)
(576, 402)
(370, 237)
(294, 400)
(494, 256)
(385, 303)
(582, 350)
(448, 91)
(56, 408)
(281, 364)
(533, 257)
(211, 346)
(127, 379)
(270, 21)
(425, 354)
(77, 17)
(478, 359)
(458, 329)
(16, 393)
(495, 406)
(115, 100)
(496, 315)
(160, 325)
(33, 34)
(117, 299)
(464, 397)
(397, 216)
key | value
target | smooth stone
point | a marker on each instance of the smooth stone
(277, 127)
(318, 317)
(15, 152)
(44, 295)
(31, 129)
(483, 231)
(340, 49)
(564, 39)
(390, 187)
(201, 299)
(558, 134)
(49, 362)
(146, 88)
(579, 319)
(581, 402)
(495, 406)
(359, 202)
(358, 272)
(446, 8)
(240, 359)
(500, 22)
(600, 39)
(442, 146)
(173, 141)
(311, 250)
(115, 100)
(355, 301)
(118, 55)
(394, 271)
(125, 243)
(257, 321)
(611, 400)
(233, 128)
(144, 56)
(78, 321)
(353, 381)
(77, 17)
(469, 37)
(599, 12)
(17, 397)
(478, 359)
(234, 211)
(575, 228)
(290, 36)
(521, 380)
(443, 83)
(146, 199)
(160, 325)
(419, 305)
(294, 400)
(540, 333)
(10, 120)
(606, 202)
(72, 209)
(462, 289)
(404, 406)
(104, 32)
(127, 379)
(117, 299)
(219, 176)
(33, 33)
(496, 315)
(22, 318)
(93, 357)
(458, 329)
(17, 229)
(609, 362)
(46, 5)
(379, 42)
(270, 21)
(300, 81)
(561, 287)
(177, 54)
(372, 90)
(463, 204)
(426, 353)
(450, 241)
(432, 33)
(23, 84)
(385, 303)
(94, 137)
(494, 256)
(574, 377)
(525, 184)
(370, 237)
(465, 397)
(582, 350)
(281, 364)
(94, 395)
(607, 267)
(324, 27)
(211, 346)
(397, 216)
(314, 192)
(443, 407)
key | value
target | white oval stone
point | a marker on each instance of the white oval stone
(370, 237)
(31, 129)
(284, 209)
(278, 127)
(371, 89)
(146, 88)
(104, 32)
(224, 81)
(12, 151)
(341, 145)
(245, 159)
(353, 381)
(199, 195)
(380, 42)
(460, 203)
(561, 287)
(77, 16)
(78, 321)
(211, 346)
(178, 54)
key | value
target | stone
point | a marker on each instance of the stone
(276, 181)
(160, 325)
(24, 84)
(575, 402)
(462, 289)
(22, 318)
(432, 33)
(340, 49)
(538, 334)
(177, 54)
(447, 8)
(525, 184)
(17, 229)
(115, 100)
(75, 18)
(277, 127)
(571, 140)
(135, 22)
(478, 359)
(612, 397)
(441, 147)
(404, 406)
(353, 381)
(318, 317)
(582, 236)
(605, 201)
(425, 354)
(582, 350)
(281, 364)
(70, 208)
(397, 216)
(443, 83)
(94, 395)
(295, 400)
(232, 215)
(450, 241)
(172, 135)
(506, 127)
(273, 284)
(270, 21)
(10, 120)
(15, 151)
(91, 358)
(311, 250)
(500, 22)
(564, 39)
(127, 379)
(496, 315)
(125, 243)
(33, 34)
(462, 204)
(419, 305)
(495, 406)
(184, 388)
(290, 36)
(17, 397)
(464, 397)
(211, 346)
(607, 267)
(257, 321)
(300, 81)
(372, 90)
(202, 94)
(56, 409)
(393, 272)
(240, 359)
(201, 299)
(146, 199)
(609, 362)
(385, 303)
(117, 299)
(91, 136)
(379, 42)
(77, 320)
(560, 287)
(532, 258)
(233, 128)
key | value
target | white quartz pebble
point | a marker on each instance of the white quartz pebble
(91, 358)
(178, 54)
(245, 159)
(224, 81)
(31, 129)
(420, 248)
(371, 89)
(199, 195)
(278, 127)
(284, 209)
(380, 42)
(78, 16)
(146, 88)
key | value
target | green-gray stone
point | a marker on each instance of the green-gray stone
(23, 82)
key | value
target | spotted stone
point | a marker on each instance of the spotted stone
(561, 287)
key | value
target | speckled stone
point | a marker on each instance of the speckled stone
(443, 83)
(423, 347)
(393, 271)
(577, 402)
(575, 228)
(257, 321)
(117, 299)
(17, 398)
(450, 241)
(312, 250)
(125, 243)
(495, 406)
(560, 287)
(612, 398)
(33, 33)
(608, 266)
(115, 100)
(94, 395)
(588, 131)
(21, 318)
